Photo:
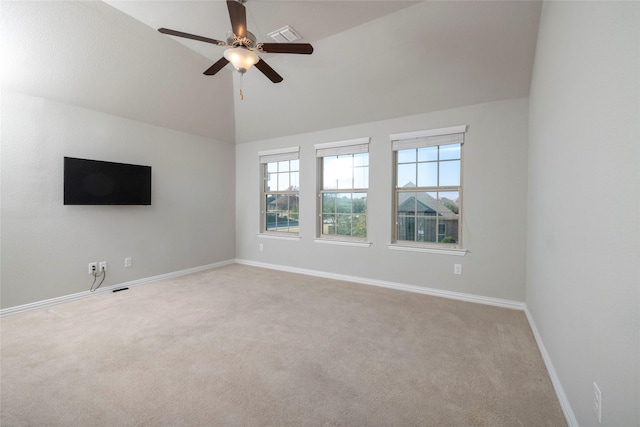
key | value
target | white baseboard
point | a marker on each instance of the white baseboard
(516, 305)
(85, 294)
(555, 380)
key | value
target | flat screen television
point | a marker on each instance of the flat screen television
(95, 182)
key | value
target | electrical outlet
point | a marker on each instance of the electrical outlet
(261, 247)
(457, 268)
(103, 266)
(597, 402)
(127, 262)
(93, 267)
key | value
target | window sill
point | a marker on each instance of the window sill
(277, 236)
(429, 249)
(343, 243)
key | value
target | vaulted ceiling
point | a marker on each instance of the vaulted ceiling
(373, 60)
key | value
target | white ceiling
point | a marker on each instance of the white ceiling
(373, 60)
(319, 18)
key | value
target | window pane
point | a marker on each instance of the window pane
(272, 167)
(294, 165)
(450, 172)
(295, 180)
(426, 204)
(448, 216)
(359, 202)
(345, 178)
(293, 213)
(406, 228)
(338, 172)
(361, 159)
(428, 154)
(361, 177)
(281, 203)
(328, 224)
(407, 175)
(427, 229)
(293, 203)
(271, 221)
(450, 152)
(343, 224)
(272, 181)
(328, 203)
(283, 181)
(277, 208)
(428, 174)
(449, 201)
(360, 226)
(283, 166)
(406, 203)
(343, 202)
(407, 156)
(329, 173)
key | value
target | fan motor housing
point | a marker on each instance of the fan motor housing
(234, 41)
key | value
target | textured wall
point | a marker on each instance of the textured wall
(46, 246)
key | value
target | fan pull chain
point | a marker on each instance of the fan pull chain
(241, 95)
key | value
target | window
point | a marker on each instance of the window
(344, 181)
(427, 187)
(280, 205)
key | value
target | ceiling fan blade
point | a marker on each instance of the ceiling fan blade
(301, 48)
(268, 71)
(238, 16)
(216, 67)
(190, 36)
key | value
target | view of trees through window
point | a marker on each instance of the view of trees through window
(344, 214)
(282, 206)
(345, 180)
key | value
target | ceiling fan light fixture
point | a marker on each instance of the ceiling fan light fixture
(242, 59)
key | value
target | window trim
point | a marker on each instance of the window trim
(272, 156)
(339, 148)
(350, 146)
(419, 139)
(278, 154)
(428, 133)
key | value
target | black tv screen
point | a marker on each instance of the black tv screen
(95, 182)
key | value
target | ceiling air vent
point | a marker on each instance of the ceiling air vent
(285, 35)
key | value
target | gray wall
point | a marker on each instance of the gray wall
(583, 269)
(494, 205)
(46, 246)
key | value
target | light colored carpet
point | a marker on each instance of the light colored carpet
(244, 346)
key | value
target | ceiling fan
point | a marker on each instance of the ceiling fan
(242, 45)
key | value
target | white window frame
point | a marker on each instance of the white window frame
(339, 148)
(428, 138)
(272, 156)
